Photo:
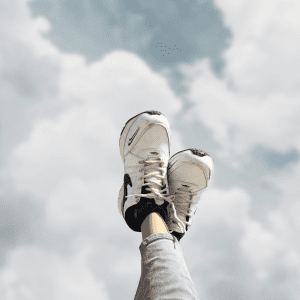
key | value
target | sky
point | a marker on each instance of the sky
(72, 72)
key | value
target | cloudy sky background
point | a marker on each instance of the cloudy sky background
(73, 72)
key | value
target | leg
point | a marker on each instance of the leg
(153, 224)
(164, 273)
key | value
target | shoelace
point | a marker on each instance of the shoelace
(182, 207)
(151, 168)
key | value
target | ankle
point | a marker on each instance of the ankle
(152, 224)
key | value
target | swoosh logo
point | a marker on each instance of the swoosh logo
(127, 180)
(132, 138)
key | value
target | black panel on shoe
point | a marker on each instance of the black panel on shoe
(198, 152)
(136, 214)
(153, 112)
(163, 211)
(150, 112)
(178, 235)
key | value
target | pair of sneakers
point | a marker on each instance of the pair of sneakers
(154, 182)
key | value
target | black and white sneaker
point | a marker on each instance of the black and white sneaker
(189, 172)
(145, 151)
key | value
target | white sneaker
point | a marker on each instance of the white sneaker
(145, 151)
(188, 174)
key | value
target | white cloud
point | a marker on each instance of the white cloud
(287, 181)
(61, 121)
(226, 244)
(81, 143)
(239, 121)
(260, 244)
(263, 56)
(255, 102)
(18, 26)
(34, 273)
(230, 206)
(69, 156)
